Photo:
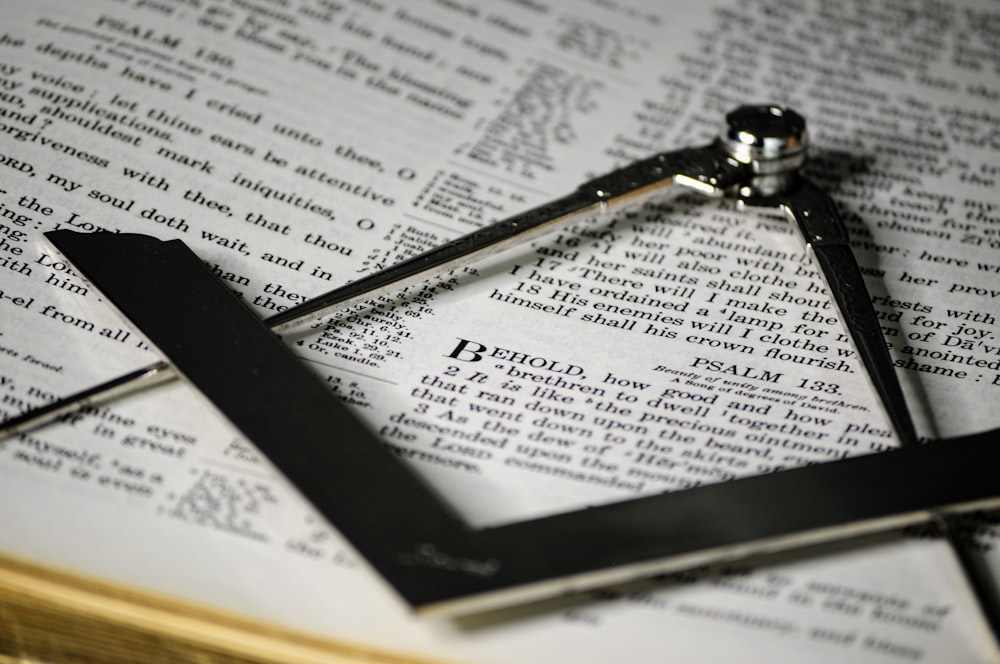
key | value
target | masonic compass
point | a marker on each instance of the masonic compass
(437, 562)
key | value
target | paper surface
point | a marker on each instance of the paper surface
(297, 146)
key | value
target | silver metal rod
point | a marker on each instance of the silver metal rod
(154, 374)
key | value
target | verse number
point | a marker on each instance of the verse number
(819, 386)
(214, 57)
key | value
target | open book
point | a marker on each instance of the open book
(298, 145)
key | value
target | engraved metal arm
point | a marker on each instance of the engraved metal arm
(709, 170)
(826, 238)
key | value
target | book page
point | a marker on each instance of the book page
(296, 146)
